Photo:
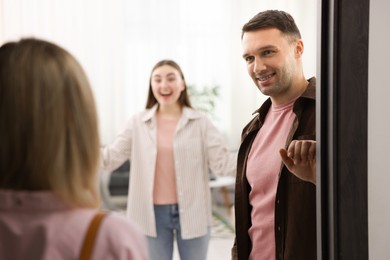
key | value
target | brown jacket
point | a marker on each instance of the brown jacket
(295, 203)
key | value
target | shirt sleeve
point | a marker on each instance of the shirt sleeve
(116, 153)
(221, 160)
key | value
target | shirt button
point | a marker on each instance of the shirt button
(278, 228)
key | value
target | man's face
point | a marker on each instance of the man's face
(271, 61)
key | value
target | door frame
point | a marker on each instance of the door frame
(342, 102)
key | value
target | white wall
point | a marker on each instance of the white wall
(117, 42)
(378, 131)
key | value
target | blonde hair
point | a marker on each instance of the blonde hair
(49, 130)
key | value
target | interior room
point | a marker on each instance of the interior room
(118, 42)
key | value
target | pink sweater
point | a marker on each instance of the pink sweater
(37, 225)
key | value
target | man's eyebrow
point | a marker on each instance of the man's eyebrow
(267, 47)
(260, 49)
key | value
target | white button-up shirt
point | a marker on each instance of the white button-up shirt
(198, 146)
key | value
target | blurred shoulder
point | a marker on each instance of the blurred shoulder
(122, 238)
(141, 117)
(192, 113)
(121, 224)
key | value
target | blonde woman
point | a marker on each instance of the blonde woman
(49, 156)
(171, 148)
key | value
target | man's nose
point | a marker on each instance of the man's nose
(258, 65)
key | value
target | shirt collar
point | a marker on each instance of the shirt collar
(30, 201)
(188, 113)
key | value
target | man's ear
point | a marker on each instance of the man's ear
(299, 48)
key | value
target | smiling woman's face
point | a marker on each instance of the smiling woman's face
(167, 85)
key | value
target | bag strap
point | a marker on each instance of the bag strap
(89, 240)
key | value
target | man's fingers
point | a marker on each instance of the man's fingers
(308, 150)
(286, 159)
(302, 151)
(312, 150)
(305, 151)
(299, 158)
(291, 149)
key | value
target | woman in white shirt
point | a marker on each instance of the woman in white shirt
(171, 148)
(49, 157)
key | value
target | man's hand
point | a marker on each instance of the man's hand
(300, 159)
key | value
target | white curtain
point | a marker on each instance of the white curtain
(118, 42)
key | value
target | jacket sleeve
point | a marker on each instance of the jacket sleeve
(234, 251)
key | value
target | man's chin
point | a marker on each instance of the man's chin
(264, 89)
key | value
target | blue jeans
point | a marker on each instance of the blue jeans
(168, 226)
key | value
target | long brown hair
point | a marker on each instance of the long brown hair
(49, 129)
(184, 100)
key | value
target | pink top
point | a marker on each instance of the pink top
(164, 190)
(264, 164)
(37, 225)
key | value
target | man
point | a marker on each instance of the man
(275, 200)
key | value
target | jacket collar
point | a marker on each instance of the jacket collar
(309, 93)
